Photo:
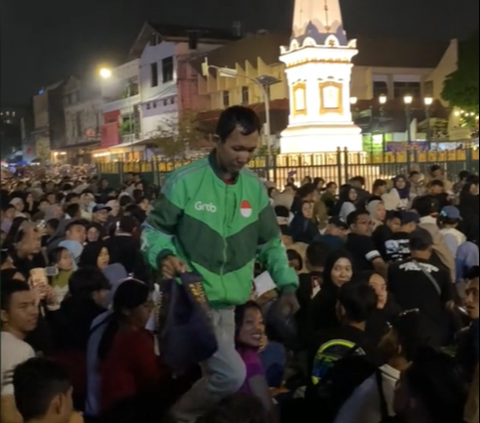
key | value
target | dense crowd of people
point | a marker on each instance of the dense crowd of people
(221, 299)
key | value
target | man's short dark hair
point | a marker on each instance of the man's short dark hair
(86, 281)
(352, 218)
(359, 179)
(306, 190)
(425, 205)
(436, 183)
(379, 183)
(73, 209)
(36, 383)
(317, 253)
(76, 223)
(413, 173)
(420, 240)
(434, 168)
(125, 200)
(240, 117)
(359, 301)
(10, 287)
(70, 196)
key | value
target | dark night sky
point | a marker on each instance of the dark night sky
(43, 41)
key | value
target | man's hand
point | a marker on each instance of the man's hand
(288, 304)
(171, 267)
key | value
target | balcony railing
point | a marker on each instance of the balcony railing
(123, 103)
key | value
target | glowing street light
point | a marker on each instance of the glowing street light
(428, 101)
(353, 100)
(105, 73)
(408, 99)
(382, 99)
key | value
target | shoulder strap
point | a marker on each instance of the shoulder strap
(381, 393)
(429, 276)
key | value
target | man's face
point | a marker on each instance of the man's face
(145, 205)
(363, 226)
(237, 150)
(472, 300)
(332, 189)
(101, 216)
(415, 178)
(382, 189)
(394, 224)
(22, 312)
(43, 205)
(77, 233)
(31, 242)
(336, 231)
(51, 198)
(437, 174)
(435, 189)
(10, 213)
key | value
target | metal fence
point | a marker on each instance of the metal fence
(337, 166)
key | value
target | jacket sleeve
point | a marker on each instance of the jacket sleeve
(159, 229)
(271, 251)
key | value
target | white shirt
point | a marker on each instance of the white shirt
(364, 404)
(14, 352)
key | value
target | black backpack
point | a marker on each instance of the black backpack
(338, 385)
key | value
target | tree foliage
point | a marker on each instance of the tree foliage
(176, 135)
(461, 87)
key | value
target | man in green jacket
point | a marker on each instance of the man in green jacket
(214, 217)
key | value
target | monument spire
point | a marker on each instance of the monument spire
(318, 65)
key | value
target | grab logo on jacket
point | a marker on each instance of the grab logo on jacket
(245, 209)
(210, 208)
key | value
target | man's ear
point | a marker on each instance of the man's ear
(4, 317)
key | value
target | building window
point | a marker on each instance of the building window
(154, 40)
(172, 100)
(402, 89)
(165, 102)
(380, 88)
(154, 104)
(148, 106)
(154, 74)
(245, 95)
(226, 99)
(167, 69)
(428, 89)
(78, 124)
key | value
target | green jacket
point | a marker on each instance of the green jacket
(218, 230)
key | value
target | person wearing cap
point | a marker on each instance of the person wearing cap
(335, 234)
(397, 247)
(100, 214)
(448, 221)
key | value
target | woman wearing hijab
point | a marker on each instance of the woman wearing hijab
(302, 226)
(347, 202)
(399, 196)
(338, 271)
(378, 213)
(469, 205)
(95, 254)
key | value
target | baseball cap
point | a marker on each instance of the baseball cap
(337, 222)
(100, 207)
(451, 212)
(409, 217)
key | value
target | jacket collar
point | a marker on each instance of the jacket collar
(212, 159)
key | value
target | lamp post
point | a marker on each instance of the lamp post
(383, 100)
(262, 81)
(408, 114)
(106, 73)
(428, 103)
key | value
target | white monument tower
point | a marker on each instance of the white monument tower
(318, 67)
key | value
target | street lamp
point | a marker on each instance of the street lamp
(263, 81)
(353, 100)
(428, 103)
(408, 99)
(382, 99)
(105, 73)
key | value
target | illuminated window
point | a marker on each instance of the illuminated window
(226, 98)
(300, 99)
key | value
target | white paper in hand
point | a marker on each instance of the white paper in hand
(263, 284)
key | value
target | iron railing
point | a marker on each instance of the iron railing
(337, 166)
